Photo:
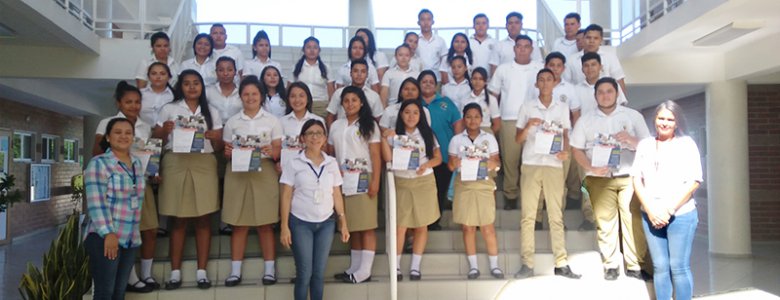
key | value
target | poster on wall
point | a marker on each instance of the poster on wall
(4, 145)
(40, 182)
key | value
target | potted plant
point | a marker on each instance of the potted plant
(77, 197)
(8, 196)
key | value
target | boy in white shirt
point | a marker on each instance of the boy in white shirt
(567, 44)
(591, 68)
(594, 37)
(504, 50)
(359, 75)
(221, 48)
(431, 48)
(482, 44)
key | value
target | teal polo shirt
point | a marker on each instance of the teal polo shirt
(444, 114)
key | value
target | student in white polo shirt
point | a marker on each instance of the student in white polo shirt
(224, 95)
(273, 90)
(312, 71)
(567, 44)
(392, 79)
(409, 91)
(459, 46)
(161, 52)
(299, 104)
(412, 38)
(504, 50)
(604, 143)
(203, 62)
(431, 47)
(511, 84)
(251, 199)
(457, 89)
(491, 115)
(355, 141)
(482, 44)
(611, 67)
(261, 56)
(356, 50)
(221, 48)
(157, 93)
(358, 74)
(540, 119)
(591, 68)
(376, 58)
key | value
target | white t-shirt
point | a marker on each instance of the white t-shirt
(457, 92)
(390, 116)
(275, 105)
(349, 143)
(227, 106)
(393, 79)
(207, 70)
(152, 102)
(489, 110)
(586, 93)
(593, 123)
(142, 129)
(431, 51)
(143, 68)
(334, 107)
(556, 112)
(564, 46)
(462, 139)
(505, 52)
(291, 126)
(610, 66)
(345, 75)
(563, 92)
(170, 111)
(256, 66)
(300, 174)
(311, 76)
(482, 51)
(513, 81)
(668, 170)
(232, 52)
(423, 157)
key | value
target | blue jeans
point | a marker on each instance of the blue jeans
(109, 276)
(311, 246)
(670, 247)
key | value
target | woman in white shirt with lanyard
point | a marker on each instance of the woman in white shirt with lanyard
(251, 198)
(298, 112)
(273, 91)
(416, 202)
(311, 70)
(310, 194)
(190, 190)
(355, 142)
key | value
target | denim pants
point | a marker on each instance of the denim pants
(670, 248)
(311, 246)
(109, 276)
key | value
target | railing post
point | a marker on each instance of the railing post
(249, 34)
(390, 232)
(142, 17)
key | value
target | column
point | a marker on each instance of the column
(728, 176)
(90, 124)
(361, 14)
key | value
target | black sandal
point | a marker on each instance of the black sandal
(172, 284)
(133, 288)
(149, 281)
(269, 279)
(497, 273)
(204, 284)
(473, 274)
(232, 280)
(415, 275)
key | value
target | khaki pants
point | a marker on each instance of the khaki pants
(511, 153)
(572, 181)
(614, 203)
(549, 181)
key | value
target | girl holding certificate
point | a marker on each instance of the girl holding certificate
(192, 131)
(475, 203)
(414, 151)
(251, 198)
(355, 142)
(299, 102)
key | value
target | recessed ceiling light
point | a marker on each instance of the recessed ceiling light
(728, 33)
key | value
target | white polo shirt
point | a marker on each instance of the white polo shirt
(586, 93)
(462, 139)
(261, 123)
(423, 157)
(311, 76)
(379, 61)
(301, 175)
(256, 66)
(390, 116)
(415, 64)
(142, 129)
(564, 46)
(345, 75)
(232, 52)
(556, 112)
(610, 66)
(393, 79)
(457, 92)
(291, 126)
(349, 143)
(207, 70)
(431, 51)
(227, 106)
(489, 110)
(563, 92)
(334, 107)
(170, 111)
(444, 66)
(505, 52)
(143, 68)
(152, 102)
(482, 51)
(275, 105)
(593, 123)
(668, 169)
(513, 81)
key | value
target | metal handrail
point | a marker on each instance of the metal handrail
(390, 231)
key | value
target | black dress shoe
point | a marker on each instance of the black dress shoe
(269, 279)
(473, 274)
(227, 230)
(639, 274)
(611, 274)
(351, 279)
(525, 272)
(565, 271)
(151, 282)
(204, 284)
(510, 204)
(415, 275)
(341, 276)
(134, 288)
(232, 280)
(172, 284)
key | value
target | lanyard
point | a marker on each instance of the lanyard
(322, 169)
(131, 174)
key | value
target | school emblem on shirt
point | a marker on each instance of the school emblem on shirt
(443, 105)
(564, 98)
(485, 143)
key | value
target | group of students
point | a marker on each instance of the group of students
(329, 134)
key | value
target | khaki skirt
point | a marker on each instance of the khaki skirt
(319, 108)
(488, 130)
(474, 203)
(416, 201)
(149, 210)
(189, 185)
(361, 211)
(251, 198)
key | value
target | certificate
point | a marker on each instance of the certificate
(355, 172)
(291, 147)
(149, 153)
(605, 156)
(189, 136)
(543, 143)
(406, 153)
(473, 169)
(245, 160)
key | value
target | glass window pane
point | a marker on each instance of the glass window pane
(389, 38)
(330, 37)
(27, 146)
(272, 31)
(294, 36)
(17, 142)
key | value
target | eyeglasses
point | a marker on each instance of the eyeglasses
(314, 134)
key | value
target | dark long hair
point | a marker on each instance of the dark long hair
(425, 130)
(202, 36)
(167, 69)
(463, 59)
(370, 44)
(279, 86)
(366, 123)
(158, 35)
(104, 142)
(251, 80)
(356, 39)
(451, 52)
(261, 35)
(202, 101)
(122, 88)
(299, 64)
(416, 83)
(305, 88)
(483, 72)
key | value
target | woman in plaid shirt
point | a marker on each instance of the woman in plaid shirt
(115, 186)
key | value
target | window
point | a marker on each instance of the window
(23, 146)
(49, 148)
(71, 150)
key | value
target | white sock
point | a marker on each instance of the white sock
(416, 258)
(270, 267)
(176, 275)
(201, 275)
(493, 261)
(472, 261)
(235, 268)
(146, 267)
(133, 279)
(354, 261)
(366, 262)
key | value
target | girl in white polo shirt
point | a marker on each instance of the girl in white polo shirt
(273, 91)
(251, 199)
(355, 142)
(376, 58)
(203, 62)
(416, 201)
(457, 88)
(391, 82)
(157, 93)
(298, 112)
(491, 115)
(459, 46)
(261, 56)
(161, 52)
(311, 70)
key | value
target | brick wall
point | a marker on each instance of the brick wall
(26, 217)
(764, 149)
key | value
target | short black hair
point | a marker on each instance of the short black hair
(590, 55)
(479, 15)
(606, 80)
(424, 11)
(554, 55)
(523, 37)
(595, 27)
(514, 14)
(573, 15)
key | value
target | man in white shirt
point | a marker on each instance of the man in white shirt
(568, 44)
(482, 44)
(359, 76)
(510, 84)
(221, 48)
(604, 143)
(504, 50)
(591, 68)
(611, 67)
(430, 48)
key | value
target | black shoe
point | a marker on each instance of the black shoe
(611, 274)
(351, 279)
(565, 271)
(434, 227)
(172, 284)
(587, 226)
(204, 284)
(227, 230)
(510, 204)
(232, 280)
(639, 274)
(497, 273)
(161, 232)
(134, 288)
(341, 276)
(269, 279)
(149, 281)
(398, 275)
(473, 274)
(415, 275)
(538, 226)
(525, 272)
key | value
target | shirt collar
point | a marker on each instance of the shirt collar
(327, 160)
(183, 103)
(259, 115)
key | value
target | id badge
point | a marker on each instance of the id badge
(318, 196)
(134, 202)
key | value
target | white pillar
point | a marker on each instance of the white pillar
(361, 14)
(90, 125)
(727, 168)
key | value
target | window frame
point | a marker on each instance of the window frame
(22, 150)
(75, 157)
(53, 156)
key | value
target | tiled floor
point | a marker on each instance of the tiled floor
(713, 275)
